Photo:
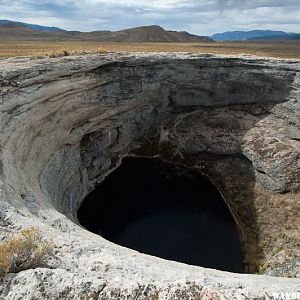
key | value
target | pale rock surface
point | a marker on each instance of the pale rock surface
(66, 123)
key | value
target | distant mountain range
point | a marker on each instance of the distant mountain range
(255, 35)
(10, 31)
(18, 31)
(286, 37)
(13, 24)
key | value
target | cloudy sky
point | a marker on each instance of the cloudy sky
(196, 16)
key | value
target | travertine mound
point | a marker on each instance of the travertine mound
(66, 124)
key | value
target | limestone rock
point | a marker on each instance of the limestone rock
(66, 123)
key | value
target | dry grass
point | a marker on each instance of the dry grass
(57, 49)
(28, 250)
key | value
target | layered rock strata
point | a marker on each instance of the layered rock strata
(66, 124)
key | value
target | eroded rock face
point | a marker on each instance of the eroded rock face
(66, 123)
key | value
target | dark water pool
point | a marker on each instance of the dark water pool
(165, 211)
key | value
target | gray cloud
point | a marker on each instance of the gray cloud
(196, 16)
(248, 4)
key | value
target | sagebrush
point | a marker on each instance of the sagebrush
(28, 250)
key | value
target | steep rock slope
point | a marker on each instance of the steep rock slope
(66, 124)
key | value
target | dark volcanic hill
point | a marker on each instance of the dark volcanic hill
(152, 33)
(16, 31)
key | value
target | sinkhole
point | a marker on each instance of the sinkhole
(166, 211)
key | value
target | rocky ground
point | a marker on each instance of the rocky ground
(66, 123)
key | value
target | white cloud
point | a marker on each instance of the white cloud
(197, 16)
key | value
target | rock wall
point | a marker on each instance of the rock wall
(66, 123)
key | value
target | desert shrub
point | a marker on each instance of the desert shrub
(101, 51)
(66, 53)
(59, 54)
(75, 52)
(38, 56)
(27, 250)
(52, 55)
